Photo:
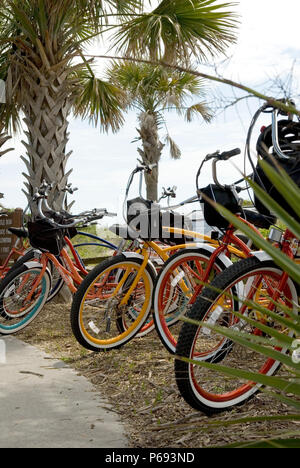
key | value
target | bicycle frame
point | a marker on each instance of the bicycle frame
(287, 247)
(164, 253)
(19, 251)
(105, 243)
(69, 273)
(14, 251)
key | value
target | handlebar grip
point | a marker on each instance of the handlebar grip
(145, 167)
(229, 154)
(149, 167)
(214, 155)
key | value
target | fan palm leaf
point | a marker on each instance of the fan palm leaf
(39, 41)
(175, 30)
(153, 91)
(100, 101)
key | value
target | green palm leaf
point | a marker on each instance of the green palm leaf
(283, 182)
(175, 30)
(266, 443)
(101, 102)
(286, 388)
(280, 258)
(275, 382)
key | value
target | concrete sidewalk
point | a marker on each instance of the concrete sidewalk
(45, 404)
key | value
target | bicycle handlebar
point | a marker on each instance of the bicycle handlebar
(268, 108)
(217, 156)
(145, 167)
(222, 156)
(84, 217)
(68, 188)
(229, 154)
(275, 140)
(185, 202)
(45, 187)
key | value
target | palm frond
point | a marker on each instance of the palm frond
(123, 6)
(175, 30)
(100, 101)
(286, 388)
(199, 109)
(175, 151)
(155, 89)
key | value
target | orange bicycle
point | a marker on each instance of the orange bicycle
(25, 290)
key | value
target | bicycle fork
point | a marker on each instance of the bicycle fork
(124, 301)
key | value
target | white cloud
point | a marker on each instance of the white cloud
(268, 39)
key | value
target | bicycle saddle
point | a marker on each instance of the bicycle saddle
(21, 233)
(259, 220)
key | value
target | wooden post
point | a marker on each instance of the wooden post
(7, 240)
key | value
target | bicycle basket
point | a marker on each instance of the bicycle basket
(45, 236)
(146, 217)
(63, 218)
(223, 196)
(289, 142)
(66, 218)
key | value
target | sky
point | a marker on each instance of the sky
(267, 47)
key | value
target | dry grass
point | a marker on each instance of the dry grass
(138, 381)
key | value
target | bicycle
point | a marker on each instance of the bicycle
(28, 254)
(134, 281)
(184, 275)
(25, 290)
(125, 282)
(255, 288)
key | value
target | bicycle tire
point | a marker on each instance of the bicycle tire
(56, 284)
(16, 312)
(167, 290)
(87, 303)
(211, 393)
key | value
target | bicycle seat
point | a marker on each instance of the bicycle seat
(259, 220)
(124, 231)
(21, 233)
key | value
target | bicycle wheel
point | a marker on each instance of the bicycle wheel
(57, 281)
(99, 320)
(176, 284)
(203, 387)
(18, 304)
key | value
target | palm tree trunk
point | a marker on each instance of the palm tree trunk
(151, 152)
(152, 185)
(46, 108)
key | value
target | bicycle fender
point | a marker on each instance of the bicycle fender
(29, 265)
(136, 255)
(261, 256)
(200, 245)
